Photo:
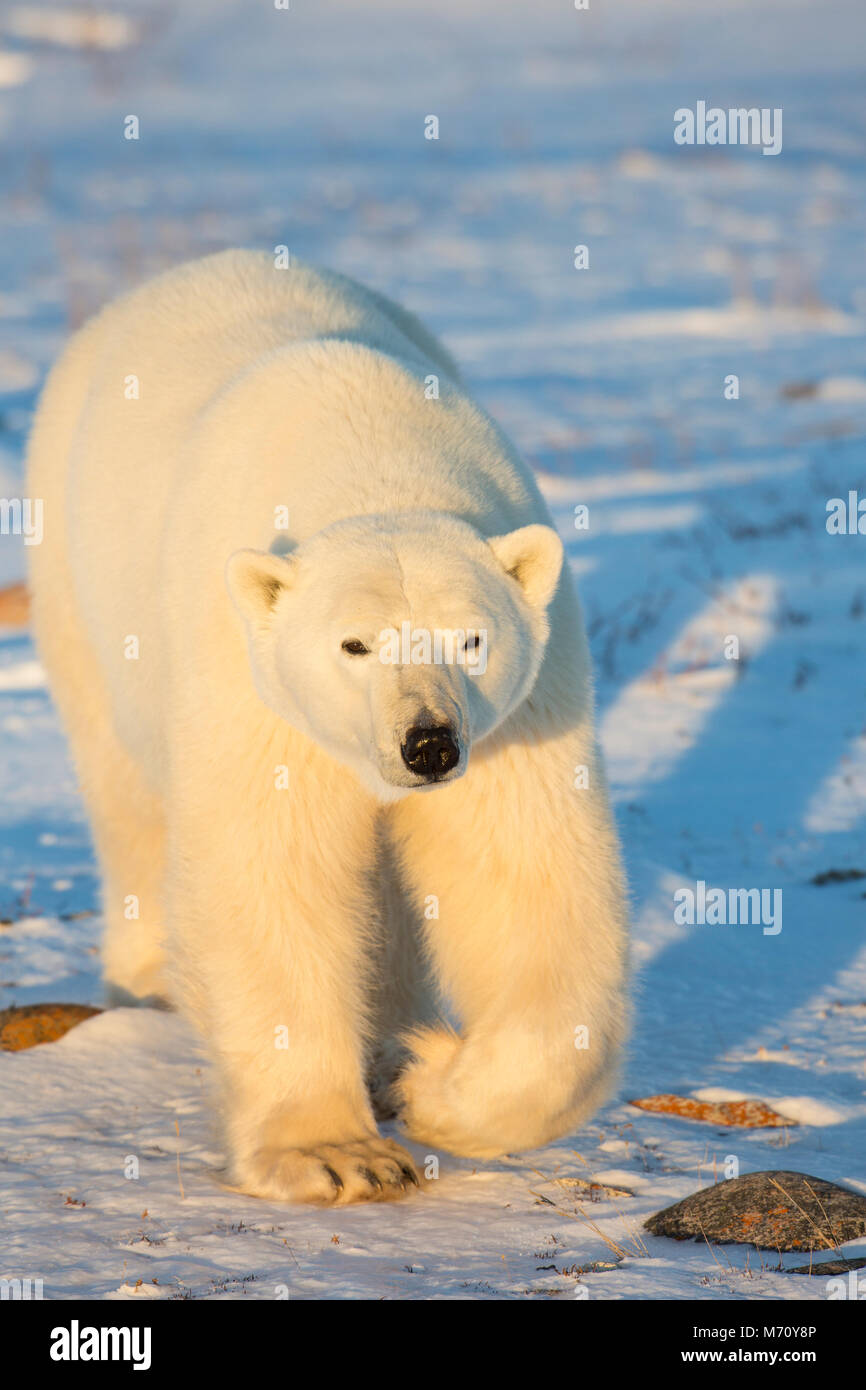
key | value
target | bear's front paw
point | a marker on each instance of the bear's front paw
(366, 1170)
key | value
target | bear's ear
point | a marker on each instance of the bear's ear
(532, 556)
(255, 581)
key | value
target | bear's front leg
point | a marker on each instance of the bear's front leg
(269, 918)
(529, 945)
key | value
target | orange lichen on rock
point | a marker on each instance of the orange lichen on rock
(28, 1025)
(746, 1114)
(14, 606)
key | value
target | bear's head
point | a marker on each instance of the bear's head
(396, 642)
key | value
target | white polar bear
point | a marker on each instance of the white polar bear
(291, 824)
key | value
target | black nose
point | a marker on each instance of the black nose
(430, 752)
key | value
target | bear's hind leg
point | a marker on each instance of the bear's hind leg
(126, 817)
(402, 995)
(132, 854)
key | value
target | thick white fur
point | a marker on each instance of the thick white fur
(305, 908)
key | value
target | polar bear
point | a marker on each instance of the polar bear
(327, 688)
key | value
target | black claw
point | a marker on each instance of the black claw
(411, 1175)
(334, 1176)
(371, 1177)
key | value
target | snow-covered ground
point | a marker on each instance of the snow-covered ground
(707, 520)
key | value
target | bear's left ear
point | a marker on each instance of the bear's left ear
(532, 556)
(255, 580)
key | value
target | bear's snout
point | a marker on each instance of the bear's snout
(430, 753)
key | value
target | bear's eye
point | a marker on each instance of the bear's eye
(355, 647)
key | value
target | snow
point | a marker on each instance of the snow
(707, 519)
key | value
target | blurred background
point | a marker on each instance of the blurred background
(305, 127)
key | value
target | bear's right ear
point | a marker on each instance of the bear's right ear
(255, 580)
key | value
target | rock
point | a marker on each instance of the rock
(837, 876)
(595, 1191)
(799, 390)
(747, 1114)
(775, 1211)
(828, 1267)
(14, 606)
(28, 1025)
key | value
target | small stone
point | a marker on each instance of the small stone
(14, 606)
(595, 1191)
(774, 1211)
(838, 876)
